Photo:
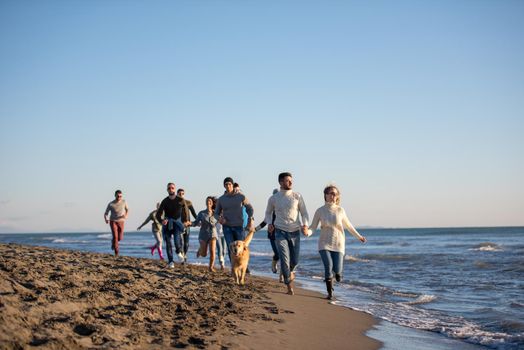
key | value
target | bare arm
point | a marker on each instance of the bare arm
(149, 218)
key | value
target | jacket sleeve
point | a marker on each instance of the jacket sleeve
(192, 210)
(218, 210)
(249, 208)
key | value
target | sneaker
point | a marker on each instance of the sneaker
(181, 257)
(171, 265)
(274, 266)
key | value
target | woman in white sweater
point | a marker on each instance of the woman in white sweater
(331, 243)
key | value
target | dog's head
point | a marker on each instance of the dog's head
(237, 248)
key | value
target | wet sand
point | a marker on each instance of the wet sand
(58, 299)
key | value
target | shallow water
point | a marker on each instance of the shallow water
(463, 285)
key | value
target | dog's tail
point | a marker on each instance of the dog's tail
(249, 237)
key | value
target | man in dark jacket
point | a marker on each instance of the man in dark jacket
(189, 209)
(175, 220)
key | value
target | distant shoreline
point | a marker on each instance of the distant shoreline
(357, 227)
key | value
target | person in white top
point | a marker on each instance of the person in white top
(287, 205)
(331, 243)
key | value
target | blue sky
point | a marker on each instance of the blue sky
(414, 109)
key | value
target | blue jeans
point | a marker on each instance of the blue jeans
(288, 246)
(274, 247)
(231, 234)
(221, 248)
(176, 232)
(185, 240)
(332, 263)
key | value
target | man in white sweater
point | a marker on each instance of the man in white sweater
(287, 205)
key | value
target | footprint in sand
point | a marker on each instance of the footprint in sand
(84, 329)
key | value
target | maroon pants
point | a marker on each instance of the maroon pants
(117, 228)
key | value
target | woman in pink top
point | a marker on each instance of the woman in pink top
(331, 243)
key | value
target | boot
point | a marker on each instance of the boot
(160, 253)
(329, 287)
(153, 248)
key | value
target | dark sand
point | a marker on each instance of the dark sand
(58, 299)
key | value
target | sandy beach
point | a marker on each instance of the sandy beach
(59, 299)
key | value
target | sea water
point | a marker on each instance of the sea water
(441, 288)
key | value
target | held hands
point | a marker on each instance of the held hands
(305, 231)
(270, 228)
(164, 222)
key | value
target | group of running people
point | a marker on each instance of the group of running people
(230, 217)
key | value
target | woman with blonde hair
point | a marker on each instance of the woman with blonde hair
(331, 243)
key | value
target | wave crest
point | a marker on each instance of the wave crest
(487, 247)
(423, 299)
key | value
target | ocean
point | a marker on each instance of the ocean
(432, 288)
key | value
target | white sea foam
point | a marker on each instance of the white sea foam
(64, 240)
(352, 258)
(404, 294)
(105, 236)
(261, 254)
(423, 299)
(487, 247)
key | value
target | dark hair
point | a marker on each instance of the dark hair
(228, 179)
(180, 190)
(213, 200)
(117, 192)
(235, 185)
(170, 183)
(281, 176)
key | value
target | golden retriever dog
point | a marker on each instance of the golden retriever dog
(240, 258)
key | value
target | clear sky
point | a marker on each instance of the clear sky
(415, 109)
